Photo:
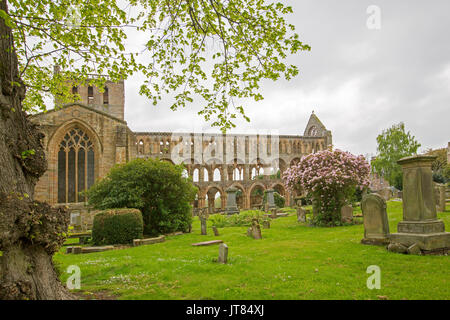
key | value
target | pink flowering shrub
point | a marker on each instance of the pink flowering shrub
(330, 178)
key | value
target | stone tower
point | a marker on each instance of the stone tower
(111, 101)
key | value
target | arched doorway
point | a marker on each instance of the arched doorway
(256, 195)
(215, 200)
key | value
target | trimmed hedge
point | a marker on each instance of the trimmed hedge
(117, 226)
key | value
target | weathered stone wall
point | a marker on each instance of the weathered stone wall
(113, 142)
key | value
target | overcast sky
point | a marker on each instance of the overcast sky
(358, 81)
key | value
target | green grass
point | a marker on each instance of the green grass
(292, 261)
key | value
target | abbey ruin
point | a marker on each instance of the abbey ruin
(83, 140)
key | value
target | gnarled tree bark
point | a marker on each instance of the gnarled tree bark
(30, 231)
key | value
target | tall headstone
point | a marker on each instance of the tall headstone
(270, 200)
(231, 207)
(347, 214)
(376, 224)
(223, 253)
(203, 225)
(440, 197)
(420, 224)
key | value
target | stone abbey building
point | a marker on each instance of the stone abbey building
(85, 139)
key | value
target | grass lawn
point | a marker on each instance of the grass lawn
(292, 261)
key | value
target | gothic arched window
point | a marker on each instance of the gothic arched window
(313, 131)
(75, 166)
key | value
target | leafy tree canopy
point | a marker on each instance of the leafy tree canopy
(393, 144)
(215, 50)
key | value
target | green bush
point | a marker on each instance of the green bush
(155, 187)
(117, 226)
(279, 200)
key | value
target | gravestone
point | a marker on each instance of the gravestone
(143, 242)
(347, 214)
(223, 253)
(216, 232)
(270, 199)
(207, 243)
(440, 197)
(231, 207)
(249, 232)
(76, 250)
(266, 224)
(256, 230)
(376, 224)
(273, 213)
(203, 225)
(301, 214)
(420, 224)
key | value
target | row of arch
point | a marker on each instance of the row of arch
(165, 145)
(214, 196)
(234, 172)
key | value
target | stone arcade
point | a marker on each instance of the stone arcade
(84, 139)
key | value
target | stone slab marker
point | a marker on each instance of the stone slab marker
(231, 207)
(216, 232)
(207, 243)
(142, 242)
(273, 213)
(420, 224)
(223, 253)
(440, 197)
(203, 225)
(266, 224)
(347, 214)
(76, 250)
(301, 214)
(376, 224)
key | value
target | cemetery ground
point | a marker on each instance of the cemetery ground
(292, 261)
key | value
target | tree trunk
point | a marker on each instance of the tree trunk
(30, 231)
